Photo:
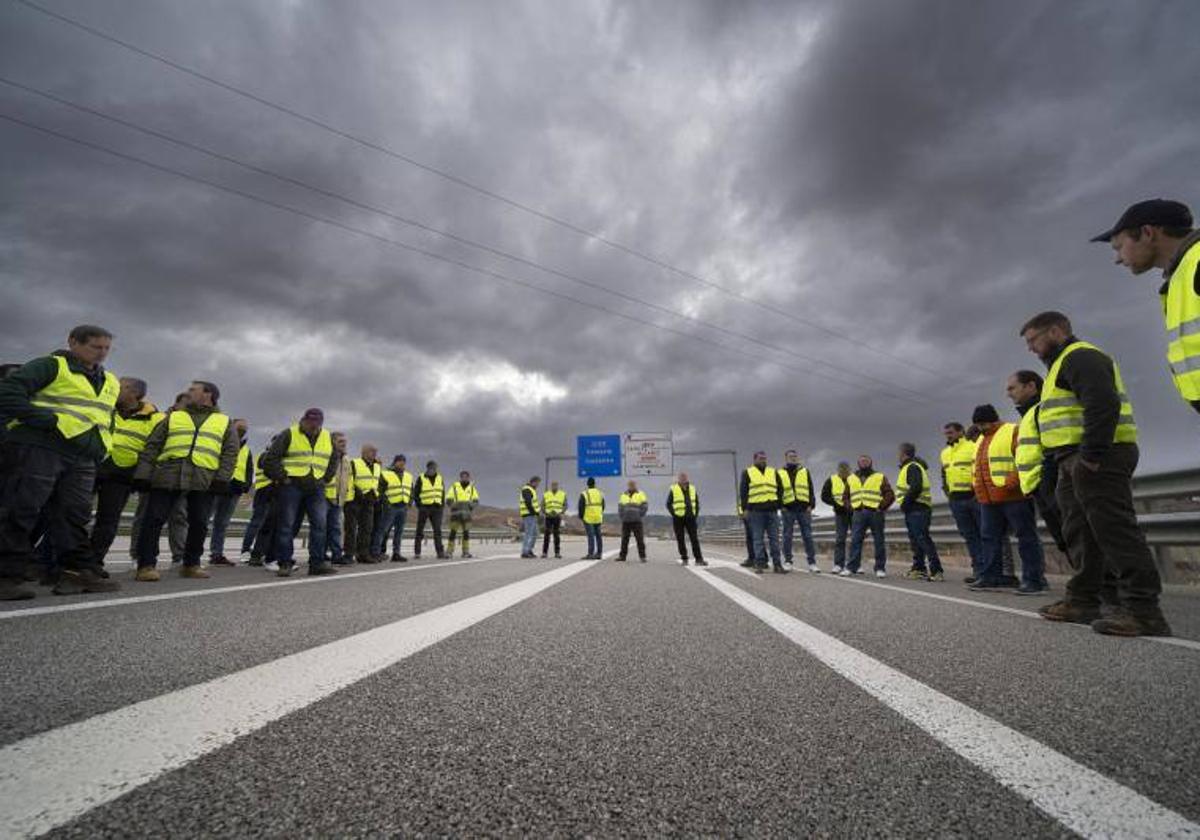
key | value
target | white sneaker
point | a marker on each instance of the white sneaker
(787, 562)
(271, 567)
(814, 569)
(837, 570)
(880, 573)
(846, 573)
(244, 557)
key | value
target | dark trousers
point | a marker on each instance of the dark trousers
(38, 480)
(293, 501)
(433, 515)
(390, 524)
(262, 507)
(553, 527)
(861, 521)
(111, 496)
(1102, 533)
(966, 517)
(997, 521)
(639, 535)
(916, 521)
(841, 524)
(682, 525)
(360, 527)
(158, 510)
(749, 539)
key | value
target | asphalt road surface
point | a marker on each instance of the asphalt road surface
(512, 697)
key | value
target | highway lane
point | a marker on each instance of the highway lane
(621, 699)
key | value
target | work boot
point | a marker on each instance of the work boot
(323, 569)
(557, 556)
(700, 561)
(780, 570)
(748, 564)
(1064, 610)
(683, 560)
(620, 559)
(12, 590)
(254, 561)
(284, 570)
(78, 581)
(915, 574)
(1149, 623)
(147, 574)
(194, 572)
(220, 560)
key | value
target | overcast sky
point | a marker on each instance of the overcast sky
(882, 192)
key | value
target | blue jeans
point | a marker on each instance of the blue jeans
(595, 541)
(916, 521)
(390, 519)
(262, 506)
(863, 519)
(966, 517)
(294, 500)
(841, 524)
(802, 517)
(333, 531)
(222, 512)
(764, 531)
(530, 533)
(1021, 518)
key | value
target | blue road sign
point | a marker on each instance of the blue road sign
(598, 455)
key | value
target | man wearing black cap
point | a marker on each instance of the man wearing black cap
(1158, 234)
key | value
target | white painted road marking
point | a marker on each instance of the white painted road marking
(241, 587)
(51, 778)
(1083, 800)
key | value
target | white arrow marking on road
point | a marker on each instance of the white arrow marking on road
(53, 777)
(1083, 800)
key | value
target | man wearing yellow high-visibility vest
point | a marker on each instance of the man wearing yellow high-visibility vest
(916, 503)
(683, 503)
(797, 505)
(225, 503)
(591, 511)
(870, 497)
(191, 456)
(132, 423)
(362, 511)
(554, 504)
(761, 495)
(462, 498)
(393, 514)
(1037, 474)
(1159, 233)
(631, 509)
(529, 508)
(958, 460)
(1087, 425)
(429, 493)
(300, 461)
(254, 543)
(61, 409)
(835, 492)
(748, 563)
(339, 489)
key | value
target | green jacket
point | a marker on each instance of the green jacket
(39, 426)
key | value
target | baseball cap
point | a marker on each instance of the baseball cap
(314, 414)
(1160, 212)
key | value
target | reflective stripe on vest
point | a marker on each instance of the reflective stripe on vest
(365, 478)
(1001, 461)
(432, 493)
(242, 466)
(398, 487)
(260, 478)
(764, 486)
(303, 458)
(555, 502)
(679, 505)
(1181, 315)
(958, 460)
(526, 510)
(837, 486)
(1061, 417)
(635, 498)
(77, 407)
(593, 506)
(795, 489)
(1029, 455)
(457, 494)
(129, 436)
(926, 496)
(201, 444)
(866, 494)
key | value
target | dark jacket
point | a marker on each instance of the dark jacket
(1089, 375)
(39, 426)
(841, 505)
(272, 462)
(181, 473)
(744, 493)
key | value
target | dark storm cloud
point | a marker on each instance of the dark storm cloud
(915, 177)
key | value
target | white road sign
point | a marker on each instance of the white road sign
(649, 453)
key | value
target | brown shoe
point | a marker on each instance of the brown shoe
(78, 581)
(220, 560)
(147, 575)
(1066, 611)
(193, 572)
(1131, 624)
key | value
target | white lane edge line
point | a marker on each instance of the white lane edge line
(1080, 798)
(241, 587)
(53, 777)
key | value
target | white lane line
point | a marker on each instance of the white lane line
(732, 564)
(1083, 800)
(242, 587)
(54, 777)
(1162, 640)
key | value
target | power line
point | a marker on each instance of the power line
(452, 236)
(484, 191)
(439, 257)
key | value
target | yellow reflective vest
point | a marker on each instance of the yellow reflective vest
(129, 435)
(199, 443)
(459, 495)
(925, 497)
(433, 492)
(866, 494)
(554, 502)
(837, 487)
(398, 486)
(365, 477)
(261, 479)
(76, 406)
(794, 490)
(1061, 417)
(593, 506)
(1029, 456)
(241, 467)
(304, 458)
(523, 507)
(679, 504)
(764, 486)
(958, 462)
(1001, 460)
(1181, 316)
